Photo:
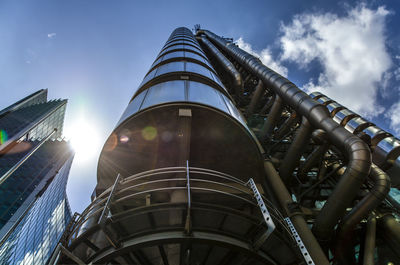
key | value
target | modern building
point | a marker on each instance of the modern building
(217, 159)
(34, 167)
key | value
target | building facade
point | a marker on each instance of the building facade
(34, 167)
(218, 159)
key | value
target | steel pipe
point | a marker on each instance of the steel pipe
(284, 198)
(316, 155)
(255, 98)
(379, 191)
(272, 119)
(389, 228)
(237, 80)
(286, 126)
(369, 246)
(356, 151)
(295, 151)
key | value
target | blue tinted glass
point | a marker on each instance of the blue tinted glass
(165, 92)
(170, 67)
(204, 94)
(199, 69)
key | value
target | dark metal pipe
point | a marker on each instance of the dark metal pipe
(255, 98)
(268, 105)
(378, 193)
(357, 152)
(390, 230)
(316, 155)
(369, 246)
(227, 66)
(295, 151)
(272, 119)
(286, 126)
(284, 198)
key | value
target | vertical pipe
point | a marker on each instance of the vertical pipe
(389, 228)
(284, 198)
(272, 118)
(255, 98)
(286, 126)
(358, 212)
(316, 155)
(369, 246)
(267, 105)
(228, 66)
(295, 151)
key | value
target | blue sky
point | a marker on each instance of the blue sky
(95, 53)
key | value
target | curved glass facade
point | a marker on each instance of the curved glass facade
(182, 73)
(181, 90)
(180, 77)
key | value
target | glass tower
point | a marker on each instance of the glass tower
(34, 167)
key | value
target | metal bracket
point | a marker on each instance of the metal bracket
(188, 224)
(106, 214)
(60, 249)
(267, 217)
(300, 244)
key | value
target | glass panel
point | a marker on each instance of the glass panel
(199, 69)
(196, 57)
(173, 54)
(165, 92)
(180, 39)
(216, 79)
(179, 47)
(233, 110)
(174, 42)
(133, 107)
(148, 77)
(204, 94)
(170, 67)
(157, 61)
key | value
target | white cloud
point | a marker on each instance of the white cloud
(397, 74)
(51, 35)
(265, 56)
(394, 116)
(351, 50)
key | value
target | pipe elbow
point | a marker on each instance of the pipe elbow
(381, 182)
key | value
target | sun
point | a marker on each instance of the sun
(84, 138)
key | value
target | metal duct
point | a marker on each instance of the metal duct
(255, 98)
(385, 148)
(357, 152)
(369, 245)
(286, 126)
(272, 119)
(390, 230)
(381, 187)
(295, 151)
(228, 67)
(285, 199)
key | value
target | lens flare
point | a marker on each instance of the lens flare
(84, 138)
(149, 133)
(3, 136)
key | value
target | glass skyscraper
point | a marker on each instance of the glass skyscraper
(34, 167)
